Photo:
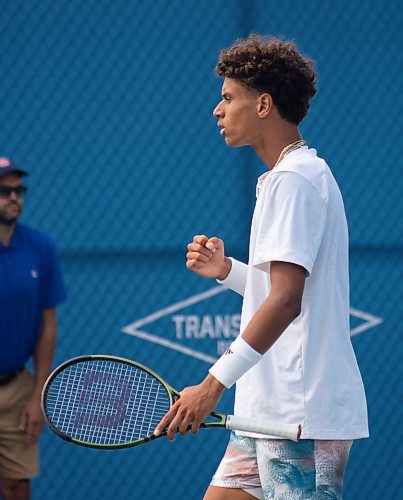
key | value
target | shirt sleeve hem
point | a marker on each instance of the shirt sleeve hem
(263, 262)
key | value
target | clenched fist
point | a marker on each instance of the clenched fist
(206, 257)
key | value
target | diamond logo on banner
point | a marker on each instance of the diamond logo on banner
(196, 335)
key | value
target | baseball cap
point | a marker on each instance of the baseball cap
(7, 166)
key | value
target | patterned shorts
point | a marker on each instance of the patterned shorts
(283, 470)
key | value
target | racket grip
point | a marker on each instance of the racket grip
(284, 431)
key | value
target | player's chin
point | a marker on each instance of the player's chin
(234, 142)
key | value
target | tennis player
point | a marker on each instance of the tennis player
(293, 361)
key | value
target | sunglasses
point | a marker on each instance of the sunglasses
(6, 191)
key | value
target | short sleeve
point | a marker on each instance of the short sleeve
(291, 223)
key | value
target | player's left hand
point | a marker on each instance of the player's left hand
(31, 421)
(193, 406)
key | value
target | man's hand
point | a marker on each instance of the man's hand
(189, 411)
(31, 420)
(206, 257)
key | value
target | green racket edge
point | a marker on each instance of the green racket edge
(220, 422)
(88, 357)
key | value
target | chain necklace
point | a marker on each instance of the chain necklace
(288, 149)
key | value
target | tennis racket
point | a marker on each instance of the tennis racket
(107, 402)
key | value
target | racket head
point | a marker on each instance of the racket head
(105, 402)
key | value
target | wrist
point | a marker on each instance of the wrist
(214, 385)
(225, 270)
(235, 362)
(36, 394)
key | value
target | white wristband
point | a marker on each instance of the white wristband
(236, 279)
(235, 362)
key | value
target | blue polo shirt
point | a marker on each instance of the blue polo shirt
(30, 281)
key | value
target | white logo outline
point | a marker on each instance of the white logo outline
(370, 321)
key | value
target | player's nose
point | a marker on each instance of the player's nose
(218, 111)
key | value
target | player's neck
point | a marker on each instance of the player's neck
(275, 141)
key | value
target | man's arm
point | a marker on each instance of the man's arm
(280, 308)
(31, 418)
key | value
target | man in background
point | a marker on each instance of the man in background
(31, 286)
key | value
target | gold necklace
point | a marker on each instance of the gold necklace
(291, 147)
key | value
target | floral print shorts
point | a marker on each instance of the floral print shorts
(284, 470)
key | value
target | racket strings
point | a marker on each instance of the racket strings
(106, 402)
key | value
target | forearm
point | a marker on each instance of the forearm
(280, 308)
(44, 351)
(269, 322)
(266, 326)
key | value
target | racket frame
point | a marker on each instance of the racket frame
(172, 393)
(221, 420)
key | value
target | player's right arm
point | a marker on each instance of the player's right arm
(206, 257)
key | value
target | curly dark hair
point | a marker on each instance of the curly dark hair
(274, 66)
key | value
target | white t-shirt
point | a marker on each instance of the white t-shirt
(310, 375)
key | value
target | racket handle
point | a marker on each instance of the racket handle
(285, 431)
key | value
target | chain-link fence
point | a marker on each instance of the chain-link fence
(108, 104)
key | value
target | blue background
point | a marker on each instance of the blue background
(108, 104)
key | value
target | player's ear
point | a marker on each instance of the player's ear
(264, 104)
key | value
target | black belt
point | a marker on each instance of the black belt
(6, 378)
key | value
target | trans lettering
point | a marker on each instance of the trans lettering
(207, 326)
